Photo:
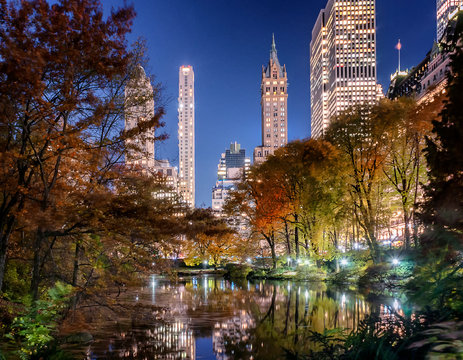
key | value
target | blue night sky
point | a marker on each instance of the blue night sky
(228, 41)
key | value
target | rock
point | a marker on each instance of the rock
(79, 338)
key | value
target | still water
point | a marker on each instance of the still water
(212, 318)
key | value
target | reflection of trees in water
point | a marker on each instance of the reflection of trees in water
(245, 320)
(293, 312)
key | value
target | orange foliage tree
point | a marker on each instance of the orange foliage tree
(63, 69)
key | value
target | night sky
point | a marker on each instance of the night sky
(228, 41)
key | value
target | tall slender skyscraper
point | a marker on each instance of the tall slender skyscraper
(186, 133)
(274, 106)
(342, 60)
(445, 11)
(139, 107)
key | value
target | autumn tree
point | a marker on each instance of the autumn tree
(309, 176)
(404, 165)
(359, 133)
(214, 249)
(261, 206)
(63, 69)
(203, 232)
(323, 201)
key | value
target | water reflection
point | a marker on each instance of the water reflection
(212, 318)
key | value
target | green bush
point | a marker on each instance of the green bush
(311, 274)
(344, 276)
(33, 330)
(16, 283)
(257, 274)
(374, 275)
(238, 271)
(403, 270)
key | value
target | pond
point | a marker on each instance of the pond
(208, 317)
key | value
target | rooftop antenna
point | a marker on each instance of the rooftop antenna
(398, 47)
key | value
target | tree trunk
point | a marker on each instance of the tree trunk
(76, 264)
(306, 242)
(296, 235)
(415, 197)
(35, 281)
(373, 245)
(274, 256)
(407, 229)
(271, 243)
(288, 240)
(4, 247)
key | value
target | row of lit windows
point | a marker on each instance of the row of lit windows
(274, 82)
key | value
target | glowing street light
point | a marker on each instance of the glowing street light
(395, 261)
(289, 261)
(344, 262)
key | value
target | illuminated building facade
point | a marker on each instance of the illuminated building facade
(429, 78)
(274, 105)
(139, 107)
(186, 133)
(342, 60)
(232, 166)
(169, 176)
(446, 10)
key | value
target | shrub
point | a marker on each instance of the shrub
(33, 330)
(311, 274)
(345, 276)
(374, 275)
(257, 274)
(238, 271)
(16, 284)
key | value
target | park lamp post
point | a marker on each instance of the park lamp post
(395, 261)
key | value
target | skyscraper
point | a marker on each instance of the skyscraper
(139, 107)
(186, 133)
(233, 163)
(274, 106)
(342, 60)
(232, 166)
(446, 9)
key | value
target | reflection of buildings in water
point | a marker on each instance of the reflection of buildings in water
(167, 341)
(233, 330)
(230, 313)
(173, 340)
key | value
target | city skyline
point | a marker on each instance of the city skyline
(228, 59)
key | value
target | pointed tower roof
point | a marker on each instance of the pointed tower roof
(273, 59)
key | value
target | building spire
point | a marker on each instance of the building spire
(274, 47)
